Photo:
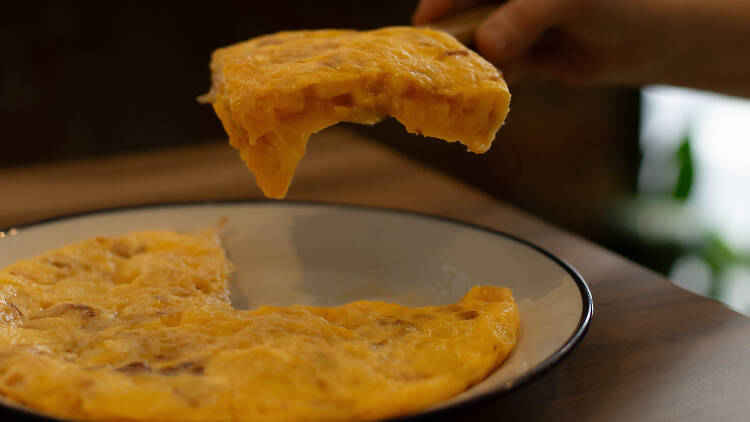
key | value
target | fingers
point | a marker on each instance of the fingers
(554, 57)
(509, 32)
(508, 36)
(429, 10)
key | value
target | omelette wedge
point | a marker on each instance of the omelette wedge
(273, 91)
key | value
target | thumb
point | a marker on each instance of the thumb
(515, 26)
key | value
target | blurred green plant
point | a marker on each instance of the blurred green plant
(719, 256)
(664, 226)
(685, 174)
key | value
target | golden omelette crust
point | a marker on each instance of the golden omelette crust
(139, 328)
(273, 91)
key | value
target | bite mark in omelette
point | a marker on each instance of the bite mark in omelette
(273, 91)
(139, 328)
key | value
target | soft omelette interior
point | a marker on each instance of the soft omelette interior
(273, 91)
(139, 327)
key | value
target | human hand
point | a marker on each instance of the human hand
(687, 42)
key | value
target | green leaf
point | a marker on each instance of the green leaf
(685, 176)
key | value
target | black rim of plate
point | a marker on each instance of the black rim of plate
(587, 309)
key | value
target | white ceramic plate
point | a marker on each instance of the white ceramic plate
(321, 254)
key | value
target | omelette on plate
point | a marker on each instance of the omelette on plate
(139, 328)
(273, 91)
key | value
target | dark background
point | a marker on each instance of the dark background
(95, 78)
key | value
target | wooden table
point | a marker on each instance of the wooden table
(654, 351)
